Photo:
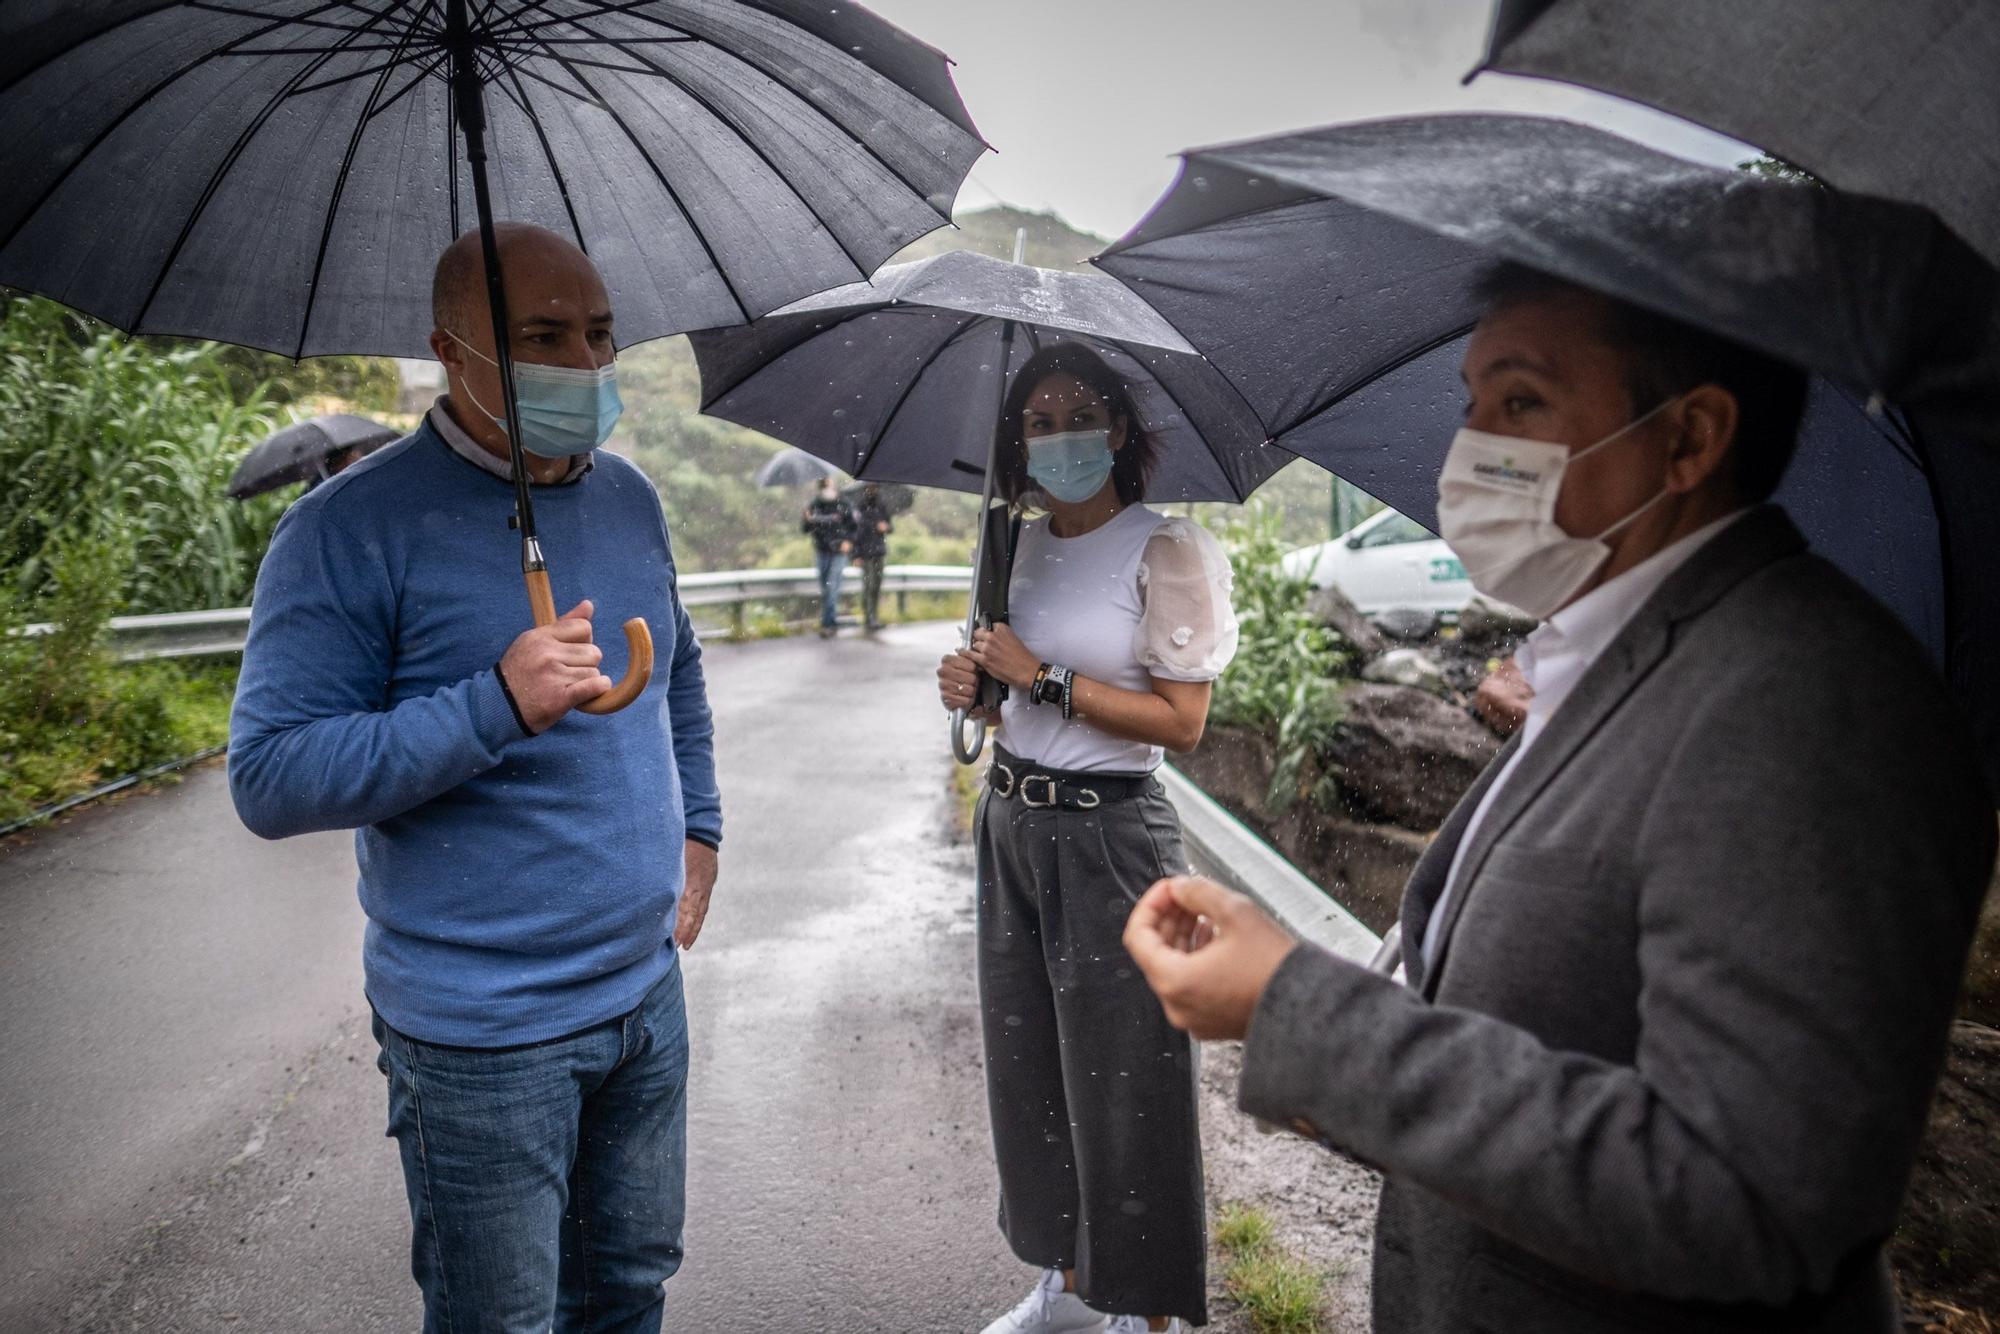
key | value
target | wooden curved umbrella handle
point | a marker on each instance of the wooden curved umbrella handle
(638, 648)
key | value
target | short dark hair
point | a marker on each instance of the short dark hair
(1669, 357)
(1131, 466)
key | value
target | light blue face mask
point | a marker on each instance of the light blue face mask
(564, 410)
(1070, 467)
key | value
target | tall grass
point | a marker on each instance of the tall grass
(116, 453)
(116, 444)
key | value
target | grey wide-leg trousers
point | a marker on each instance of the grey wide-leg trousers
(1091, 1092)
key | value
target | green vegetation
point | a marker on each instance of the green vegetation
(1288, 668)
(71, 717)
(128, 444)
(116, 452)
(1280, 1294)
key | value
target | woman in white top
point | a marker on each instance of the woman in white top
(1120, 622)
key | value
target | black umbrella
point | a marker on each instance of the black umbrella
(901, 380)
(1895, 99)
(793, 467)
(284, 173)
(1329, 275)
(898, 380)
(300, 451)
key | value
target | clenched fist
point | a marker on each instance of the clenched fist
(553, 668)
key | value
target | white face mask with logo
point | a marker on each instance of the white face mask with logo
(1497, 511)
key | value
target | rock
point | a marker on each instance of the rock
(1947, 1245)
(1330, 607)
(1406, 667)
(1234, 766)
(1404, 755)
(1363, 866)
(1408, 623)
(1482, 619)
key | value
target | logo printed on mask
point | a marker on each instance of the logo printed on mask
(1497, 511)
(565, 410)
(1505, 471)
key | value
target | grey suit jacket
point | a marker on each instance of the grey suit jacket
(1671, 1065)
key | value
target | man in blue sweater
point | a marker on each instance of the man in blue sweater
(528, 872)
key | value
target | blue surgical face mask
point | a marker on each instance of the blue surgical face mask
(1070, 467)
(564, 410)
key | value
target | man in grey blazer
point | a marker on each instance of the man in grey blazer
(1681, 964)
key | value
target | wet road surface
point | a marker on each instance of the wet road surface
(191, 1119)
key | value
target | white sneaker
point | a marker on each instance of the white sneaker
(1050, 1310)
(1136, 1324)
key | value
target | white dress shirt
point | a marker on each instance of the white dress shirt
(1554, 658)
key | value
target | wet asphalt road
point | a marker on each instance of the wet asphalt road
(191, 1119)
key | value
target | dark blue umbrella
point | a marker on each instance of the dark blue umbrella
(284, 173)
(1329, 275)
(299, 452)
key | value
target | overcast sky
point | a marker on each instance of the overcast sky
(1087, 101)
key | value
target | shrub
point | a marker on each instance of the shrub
(1285, 678)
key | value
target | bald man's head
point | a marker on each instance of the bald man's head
(458, 285)
(558, 314)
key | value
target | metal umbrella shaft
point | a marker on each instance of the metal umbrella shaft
(469, 104)
(989, 692)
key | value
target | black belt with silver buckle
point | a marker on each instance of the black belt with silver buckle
(1070, 789)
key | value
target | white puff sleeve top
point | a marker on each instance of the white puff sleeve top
(1187, 631)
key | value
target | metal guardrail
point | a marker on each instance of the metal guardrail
(190, 634)
(179, 634)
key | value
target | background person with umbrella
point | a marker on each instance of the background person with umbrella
(1682, 962)
(528, 877)
(1119, 623)
(309, 451)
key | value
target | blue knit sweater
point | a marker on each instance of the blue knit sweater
(517, 888)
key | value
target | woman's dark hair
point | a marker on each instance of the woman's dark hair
(1668, 357)
(1130, 466)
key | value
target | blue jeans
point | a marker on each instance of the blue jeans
(831, 565)
(546, 1182)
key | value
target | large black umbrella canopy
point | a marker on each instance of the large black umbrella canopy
(297, 452)
(1896, 99)
(284, 173)
(899, 379)
(1330, 274)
